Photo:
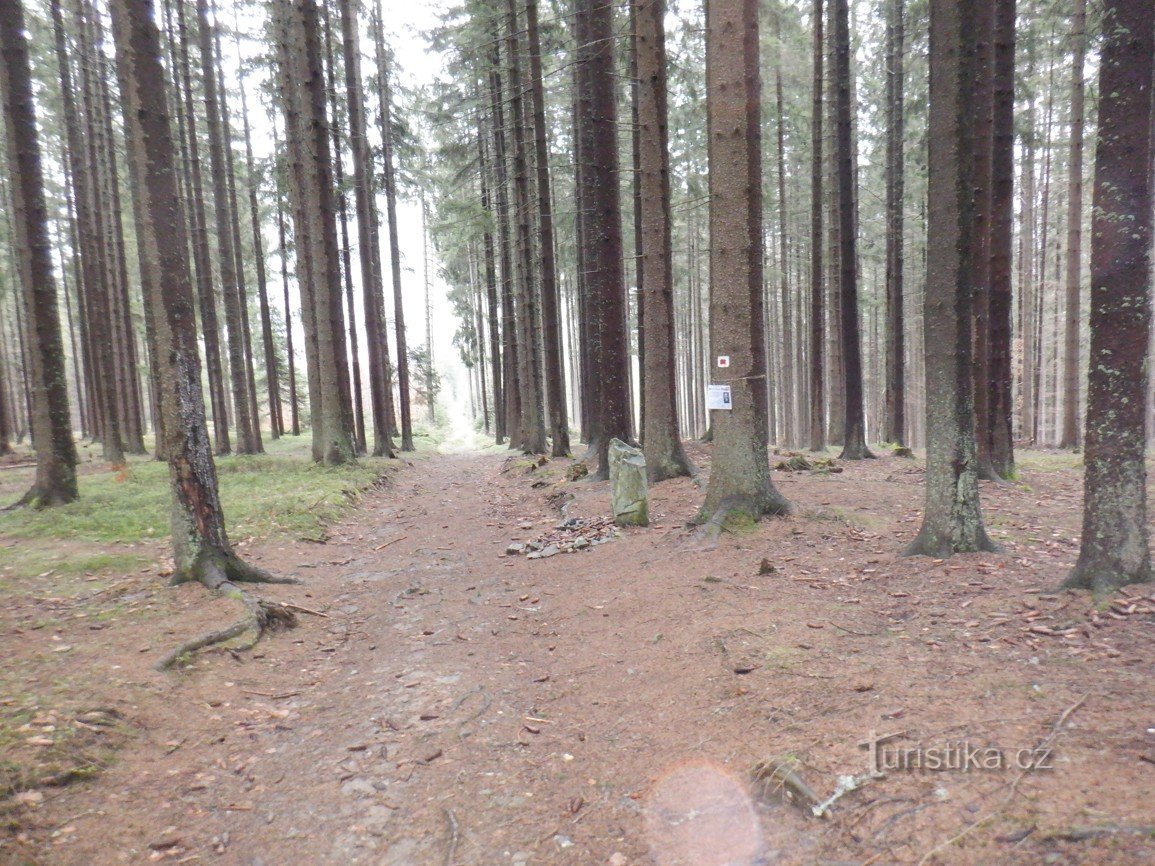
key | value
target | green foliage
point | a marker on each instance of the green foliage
(282, 492)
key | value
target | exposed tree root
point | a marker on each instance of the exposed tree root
(260, 616)
(221, 572)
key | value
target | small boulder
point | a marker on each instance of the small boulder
(628, 490)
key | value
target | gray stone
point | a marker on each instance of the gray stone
(515, 548)
(628, 490)
(551, 550)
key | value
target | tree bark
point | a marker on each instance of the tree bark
(1070, 433)
(740, 486)
(602, 227)
(952, 520)
(1114, 549)
(55, 480)
(854, 436)
(364, 197)
(817, 286)
(895, 225)
(662, 443)
(550, 317)
(386, 123)
(1000, 382)
(248, 441)
(306, 130)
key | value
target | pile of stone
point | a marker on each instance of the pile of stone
(569, 536)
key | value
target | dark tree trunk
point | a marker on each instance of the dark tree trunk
(999, 385)
(206, 296)
(660, 437)
(386, 123)
(982, 93)
(491, 285)
(817, 286)
(550, 316)
(854, 436)
(1114, 549)
(895, 225)
(510, 379)
(740, 486)
(602, 227)
(302, 85)
(367, 239)
(55, 481)
(529, 361)
(200, 541)
(952, 521)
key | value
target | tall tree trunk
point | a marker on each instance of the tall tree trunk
(895, 225)
(206, 296)
(1114, 549)
(55, 481)
(1000, 379)
(200, 541)
(550, 318)
(952, 520)
(272, 378)
(660, 436)
(283, 252)
(248, 441)
(306, 131)
(384, 118)
(490, 283)
(602, 226)
(817, 287)
(529, 361)
(740, 486)
(854, 437)
(788, 327)
(1070, 432)
(364, 197)
(509, 335)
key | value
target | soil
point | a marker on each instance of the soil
(444, 702)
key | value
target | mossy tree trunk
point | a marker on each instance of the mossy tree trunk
(1114, 549)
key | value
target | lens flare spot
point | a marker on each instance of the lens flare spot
(698, 814)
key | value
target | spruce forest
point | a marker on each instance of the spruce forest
(638, 433)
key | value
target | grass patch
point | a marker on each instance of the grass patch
(280, 492)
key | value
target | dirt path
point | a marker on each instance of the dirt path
(456, 705)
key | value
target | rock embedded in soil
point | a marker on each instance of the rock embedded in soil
(628, 491)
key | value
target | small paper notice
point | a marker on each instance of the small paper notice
(718, 397)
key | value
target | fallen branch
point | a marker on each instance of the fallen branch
(454, 834)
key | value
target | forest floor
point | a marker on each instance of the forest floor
(449, 703)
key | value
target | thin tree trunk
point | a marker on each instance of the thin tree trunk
(854, 437)
(817, 288)
(386, 123)
(550, 318)
(895, 428)
(1070, 432)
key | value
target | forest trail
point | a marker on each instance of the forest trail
(458, 705)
